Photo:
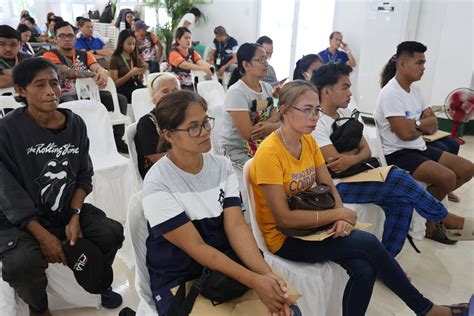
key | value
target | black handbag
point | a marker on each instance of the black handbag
(214, 285)
(318, 198)
(371, 163)
(347, 136)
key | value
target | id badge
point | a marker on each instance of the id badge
(218, 61)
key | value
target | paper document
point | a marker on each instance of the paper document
(373, 175)
(320, 236)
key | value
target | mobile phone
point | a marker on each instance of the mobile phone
(282, 81)
(213, 70)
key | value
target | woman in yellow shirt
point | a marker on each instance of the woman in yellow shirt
(289, 161)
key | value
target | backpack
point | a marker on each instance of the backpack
(108, 14)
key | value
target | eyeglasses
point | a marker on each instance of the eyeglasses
(68, 36)
(196, 129)
(261, 60)
(309, 111)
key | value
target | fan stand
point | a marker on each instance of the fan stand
(454, 133)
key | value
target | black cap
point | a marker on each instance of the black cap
(88, 264)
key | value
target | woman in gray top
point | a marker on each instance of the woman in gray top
(249, 112)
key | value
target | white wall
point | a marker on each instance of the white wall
(239, 17)
(446, 27)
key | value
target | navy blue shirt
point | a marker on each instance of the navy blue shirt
(338, 57)
(224, 50)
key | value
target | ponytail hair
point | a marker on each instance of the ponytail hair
(303, 64)
(388, 71)
(245, 53)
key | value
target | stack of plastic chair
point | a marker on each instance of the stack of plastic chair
(321, 284)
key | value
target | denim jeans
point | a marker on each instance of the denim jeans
(364, 258)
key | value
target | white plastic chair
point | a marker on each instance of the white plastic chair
(418, 223)
(63, 293)
(141, 103)
(8, 103)
(8, 91)
(212, 91)
(216, 112)
(201, 76)
(111, 180)
(87, 89)
(138, 228)
(321, 284)
(116, 117)
(130, 133)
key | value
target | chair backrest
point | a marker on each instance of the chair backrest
(379, 147)
(130, 133)
(141, 103)
(10, 91)
(251, 208)
(216, 112)
(138, 227)
(116, 117)
(86, 88)
(200, 76)
(212, 91)
(99, 128)
(8, 103)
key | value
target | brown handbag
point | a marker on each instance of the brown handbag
(318, 198)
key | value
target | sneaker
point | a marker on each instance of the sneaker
(111, 299)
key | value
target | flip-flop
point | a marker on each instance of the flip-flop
(439, 235)
(466, 233)
(453, 197)
(459, 309)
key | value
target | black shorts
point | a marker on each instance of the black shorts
(411, 159)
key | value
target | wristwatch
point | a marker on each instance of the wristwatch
(417, 124)
(76, 210)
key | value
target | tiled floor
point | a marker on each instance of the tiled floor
(444, 274)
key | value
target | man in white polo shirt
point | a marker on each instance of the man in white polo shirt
(403, 116)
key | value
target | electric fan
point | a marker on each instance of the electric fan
(459, 108)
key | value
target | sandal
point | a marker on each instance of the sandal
(466, 233)
(439, 235)
(459, 309)
(453, 197)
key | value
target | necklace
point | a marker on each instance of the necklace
(280, 131)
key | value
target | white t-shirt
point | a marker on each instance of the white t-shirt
(393, 100)
(191, 18)
(323, 129)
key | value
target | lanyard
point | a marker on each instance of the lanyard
(68, 62)
(5, 63)
(126, 63)
(332, 58)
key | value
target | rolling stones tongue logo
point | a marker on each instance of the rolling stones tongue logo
(54, 180)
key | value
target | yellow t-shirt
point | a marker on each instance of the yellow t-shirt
(273, 164)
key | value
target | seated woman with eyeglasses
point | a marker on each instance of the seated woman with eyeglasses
(191, 201)
(147, 136)
(249, 112)
(288, 162)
